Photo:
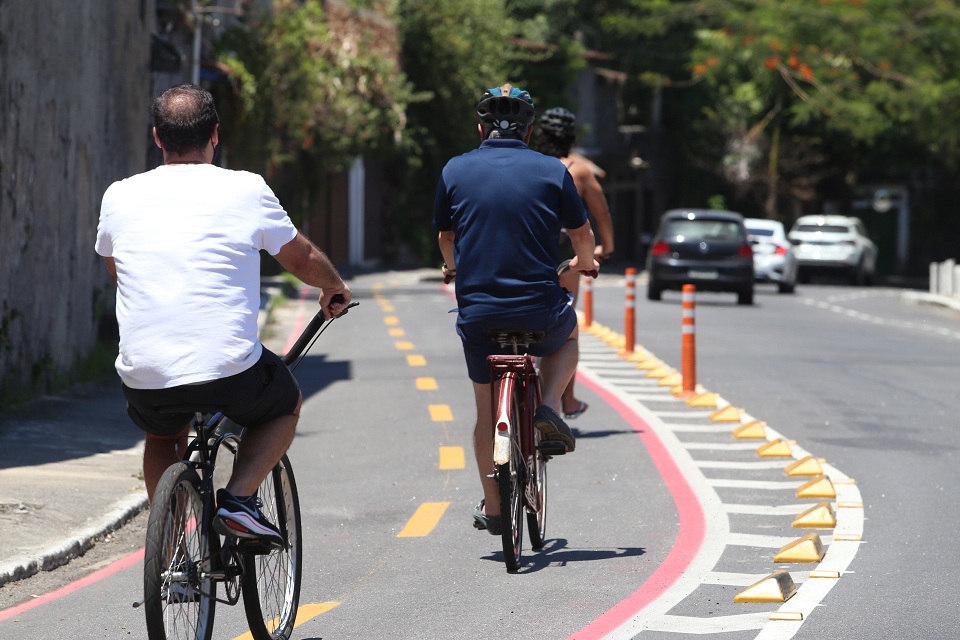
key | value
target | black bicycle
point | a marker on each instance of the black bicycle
(186, 559)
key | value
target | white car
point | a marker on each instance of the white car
(834, 243)
(774, 259)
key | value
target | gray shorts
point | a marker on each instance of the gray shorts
(265, 391)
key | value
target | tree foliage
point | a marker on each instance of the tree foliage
(306, 93)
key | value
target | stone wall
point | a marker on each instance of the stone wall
(74, 113)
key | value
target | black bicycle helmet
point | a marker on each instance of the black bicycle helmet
(559, 122)
(506, 108)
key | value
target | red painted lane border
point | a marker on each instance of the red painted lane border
(96, 576)
(689, 539)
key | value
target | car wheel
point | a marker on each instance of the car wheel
(858, 275)
(785, 287)
(745, 296)
(653, 293)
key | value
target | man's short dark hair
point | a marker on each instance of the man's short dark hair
(185, 118)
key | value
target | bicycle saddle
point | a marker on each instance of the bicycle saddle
(516, 337)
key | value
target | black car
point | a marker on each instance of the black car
(703, 247)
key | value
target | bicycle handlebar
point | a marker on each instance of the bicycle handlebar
(314, 328)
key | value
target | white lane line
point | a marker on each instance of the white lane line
(721, 446)
(766, 510)
(628, 381)
(711, 625)
(649, 397)
(758, 465)
(758, 540)
(747, 579)
(768, 542)
(764, 485)
(695, 428)
(691, 413)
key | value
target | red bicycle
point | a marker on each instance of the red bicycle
(519, 454)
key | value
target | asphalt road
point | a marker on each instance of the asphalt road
(854, 376)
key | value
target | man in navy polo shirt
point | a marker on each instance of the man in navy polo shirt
(499, 210)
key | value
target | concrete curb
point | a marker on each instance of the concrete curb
(75, 546)
(919, 297)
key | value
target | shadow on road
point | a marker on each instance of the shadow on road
(555, 553)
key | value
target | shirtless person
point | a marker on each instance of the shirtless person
(556, 136)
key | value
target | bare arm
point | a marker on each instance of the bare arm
(596, 203)
(303, 259)
(445, 240)
(584, 244)
(111, 269)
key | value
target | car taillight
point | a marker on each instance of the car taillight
(660, 248)
(781, 251)
(745, 251)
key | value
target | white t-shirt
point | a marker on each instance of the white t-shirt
(186, 241)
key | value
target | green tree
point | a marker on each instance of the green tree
(305, 100)
(452, 52)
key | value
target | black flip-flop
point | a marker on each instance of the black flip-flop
(573, 414)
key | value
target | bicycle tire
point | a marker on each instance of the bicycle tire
(537, 502)
(510, 482)
(179, 604)
(271, 582)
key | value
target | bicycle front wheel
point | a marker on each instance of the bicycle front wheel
(179, 596)
(271, 581)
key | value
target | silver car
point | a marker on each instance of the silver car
(774, 259)
(833, 243)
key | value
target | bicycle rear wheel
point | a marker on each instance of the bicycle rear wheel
(510, 481)
(179, 597)
(271, 581)
(537, 494)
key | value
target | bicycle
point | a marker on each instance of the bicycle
(520, 454)
(185, 558)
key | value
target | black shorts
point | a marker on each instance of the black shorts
(265, 391)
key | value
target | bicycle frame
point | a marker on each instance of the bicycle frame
(515, 375)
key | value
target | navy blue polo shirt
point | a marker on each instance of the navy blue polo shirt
(506, 205)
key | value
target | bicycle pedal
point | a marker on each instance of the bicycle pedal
(552, 447)
(257, 547)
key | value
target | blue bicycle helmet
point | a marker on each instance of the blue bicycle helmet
(506, 108)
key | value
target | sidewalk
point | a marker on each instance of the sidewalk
(70, 472)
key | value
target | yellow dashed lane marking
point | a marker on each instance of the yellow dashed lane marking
(424, 520)
(403, 345)
(426, 384)
(416, 361)
(396, 332)
(387, 308)
(391, 320)
(451, 458)
(441, 413)
(304, 612)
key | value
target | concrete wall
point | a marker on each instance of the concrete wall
(74, 100)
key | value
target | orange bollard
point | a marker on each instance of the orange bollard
(629, 334)
(587, 301)
(688, 353)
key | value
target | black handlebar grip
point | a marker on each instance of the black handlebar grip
(304, 338)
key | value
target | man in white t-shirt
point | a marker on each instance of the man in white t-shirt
(182, 243)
